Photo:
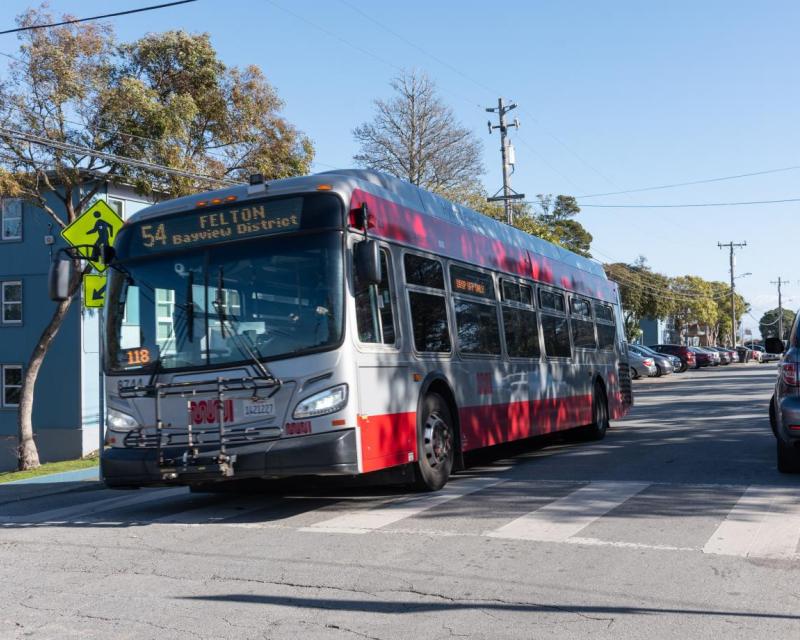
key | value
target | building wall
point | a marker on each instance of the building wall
(67, 405)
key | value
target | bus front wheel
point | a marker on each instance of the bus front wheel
(436, 442)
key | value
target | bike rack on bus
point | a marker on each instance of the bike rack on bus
(195, 460)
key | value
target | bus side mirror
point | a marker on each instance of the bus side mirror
(368, 261)
(59, 278)
(774, 345)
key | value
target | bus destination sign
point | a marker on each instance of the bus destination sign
(236, 222)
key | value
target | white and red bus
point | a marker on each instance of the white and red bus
(344, 323)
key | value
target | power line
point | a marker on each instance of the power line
(142, 164)
(681, 206)
(107, 15)
(693, 182)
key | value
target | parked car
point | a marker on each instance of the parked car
(686, 355)
(641, 365)
(784, 406)
(724, 355)
(716, 357)
(662, 361)
(702, 357)
(764, 355)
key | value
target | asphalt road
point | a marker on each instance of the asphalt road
(677, 525)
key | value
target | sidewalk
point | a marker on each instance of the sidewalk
(78, 480)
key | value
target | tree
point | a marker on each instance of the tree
(768, 325)
(557, 215)
(643, 292)
(414, 136)
(165, 98)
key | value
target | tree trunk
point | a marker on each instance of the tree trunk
(28, 455)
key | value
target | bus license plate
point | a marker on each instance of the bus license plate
(259, 409)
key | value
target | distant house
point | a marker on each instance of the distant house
(658, 331)
(66, 410)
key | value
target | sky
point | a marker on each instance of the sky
(613, 96)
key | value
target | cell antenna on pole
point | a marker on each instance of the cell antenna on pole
(508, 157)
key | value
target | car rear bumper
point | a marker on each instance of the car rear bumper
(331, 453)
(789, 416)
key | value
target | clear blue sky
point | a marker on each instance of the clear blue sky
(613, 95)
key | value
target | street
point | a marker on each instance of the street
(677, 525)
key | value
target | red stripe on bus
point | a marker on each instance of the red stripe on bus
(393, 221)
(484, 426)
(387, 440)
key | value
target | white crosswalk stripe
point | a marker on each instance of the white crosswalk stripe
(564, 518)
(765, 523)
(372, 519)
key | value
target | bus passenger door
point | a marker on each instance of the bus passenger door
(388, 429)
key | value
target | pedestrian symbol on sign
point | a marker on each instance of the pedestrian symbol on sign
(92, 231)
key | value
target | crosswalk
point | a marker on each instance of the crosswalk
(722, 520)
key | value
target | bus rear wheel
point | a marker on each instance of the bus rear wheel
(597, 429)
(436, 443)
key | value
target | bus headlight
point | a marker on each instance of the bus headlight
(322, 403)
(118, 421)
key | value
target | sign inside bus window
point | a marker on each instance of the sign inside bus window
(472, 282)
(236, 222)
(136, 357)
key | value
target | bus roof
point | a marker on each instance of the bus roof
(429, 206)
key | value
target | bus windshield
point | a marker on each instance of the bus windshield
(218, 305)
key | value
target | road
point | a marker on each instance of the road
(677, 525)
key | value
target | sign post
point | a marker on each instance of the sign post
(90, 233)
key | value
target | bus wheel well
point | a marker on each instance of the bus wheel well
(598, 380)
(440, 387)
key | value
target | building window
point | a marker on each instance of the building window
(11, 302)
(12, 384)
(11, 219)
(118, 206)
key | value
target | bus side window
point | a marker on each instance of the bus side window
(374, 313)
(554, 327)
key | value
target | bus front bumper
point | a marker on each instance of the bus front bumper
(330, 453)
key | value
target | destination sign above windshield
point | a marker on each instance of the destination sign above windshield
(239, 221)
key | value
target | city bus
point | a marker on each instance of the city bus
(341, 324)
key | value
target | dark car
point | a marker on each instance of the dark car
(687, 356)
(703, 357)
(784, 407)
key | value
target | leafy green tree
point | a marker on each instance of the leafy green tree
(557, 216)
(166, 99)
(643, 292)
(768, 325)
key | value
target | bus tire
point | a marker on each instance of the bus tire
(436, 443)
(597, 429)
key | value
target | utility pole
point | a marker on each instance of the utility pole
(733, 246)
(507, 153)
(780, 305)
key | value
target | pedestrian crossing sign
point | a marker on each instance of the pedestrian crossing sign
(94, 291)
(96, 227)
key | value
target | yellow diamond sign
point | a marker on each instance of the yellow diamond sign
(96, 227)
(94, 291)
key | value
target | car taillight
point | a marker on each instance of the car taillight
(789, 373)
(648, 362)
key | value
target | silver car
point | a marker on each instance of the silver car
(641, 365)
(663, 362)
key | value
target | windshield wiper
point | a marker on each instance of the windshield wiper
(237, 338)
